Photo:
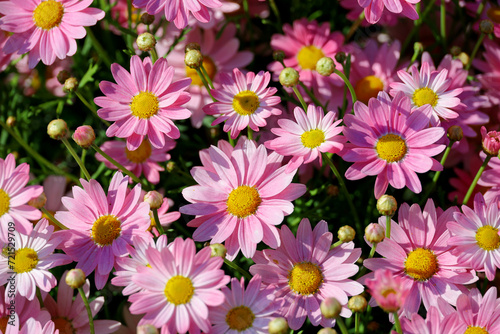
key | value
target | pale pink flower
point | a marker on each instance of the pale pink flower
(179, 287)
(491, 180)
(68, 314)
(245, 311)
(387, 290)
(144, 102)
(311, 134)
(242, 194)
(388, 19)
(33, 257)
(429, 88)
(389, 139)
(304, 271)
(144, 160)
(243, 100)
(491, 141)
(100, 226)
(177, 11)
(46, 29)
(490, 66)
(375, 8)
(475, 236)
(33, 326)
(14, 196)
(418, 252)
(438, 320)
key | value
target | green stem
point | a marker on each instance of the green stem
(301, 99)
(205, 73)
(417, 25)
(336, 244)
(387, 227)
(90, 107)
(89, 312)
(474, 51)
(98, 47)
(231, 140)
(443, 24)
(117, 164)
(205, 83)
(357, 222)
(53, 219)
(157, 221)
(236, 267)
(154, 55)
(276, 12)
(311, 96)
(372, 253)
(41, 160)
(356, 323)
(77, 158)
(348, 84)
(355, 26)
(250, 133)
(474, 182)
(341, 324)
(397, 323)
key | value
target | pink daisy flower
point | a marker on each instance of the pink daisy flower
(179, 287)
(245, 311)
(144, 102)
(429, 88)
(100, 226)
(46, 29)
(438, 320)
(145, 159)
(34, 326)
(310, 135)
(33, 257)
(490, 180)
(70, 316)
(243, 100)
(475, 236)
(177, 11)
(375, 8)
(304, 271)
(14, 196)
(391, 141)
(388, 19)
(418, 252)
(490, 66)
(387, 290)
(241, 196)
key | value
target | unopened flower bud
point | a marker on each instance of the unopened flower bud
(38, 202)
(357, 303)
(463, 57)
(11, 121)
(75, 278)
(192, 46)
(278, 326)
(62, 76)
(146, 41)
(70, 85)
(455, 133)
(330, 308)
(278, 55)
(84, 136)
(346, 234)
(146, 329)
(193, 59)
(154, 199)
(289, 77)
(218, 250)
(170, 166)
(486, 27)
(57, 129)
(418, 47)
(147, 19)
(455, 50)
(387, 205)
(340, 57)
(327, 331)
(491, 141)
(325, 66)
(374, 233)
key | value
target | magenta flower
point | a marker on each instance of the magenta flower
(304, 271)
(243, 100)
(177, 11)
(46, 29)
(438, 320)
(375, 8)
(391, 141)
(143, 103)
(178, 287)
(491, 141)
(311, 134)
(418, 252)
(242, 194)
(100, 226)
(387, 290)
(14, 196)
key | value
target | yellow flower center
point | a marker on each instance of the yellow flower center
(246, 102)
(487, 238)
(140, 155)
(179, 290)
(308, 56)
(421, 264)
(4, 202)
(105, 230)
(209, 66)
(240, 318)
(305, 278)
(144, 105)
(476, 330)
(312, 138)
(48, 14)
(387, 292)
(423, 96)
(368, 87)
(25, 260)
(494, 14)
(63, 325)
(391, 148)
(243, 201)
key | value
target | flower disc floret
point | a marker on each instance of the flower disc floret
(476, 330)
(305, 278)
(179, 290)
(425, 95)
(144, 105)
(4, 202)
(105, 230)
(308, 56)
(421, 264)
(48, 14)
(391, 148)
(25, 260)
(246, 102)
(243, 201)
(313, 138)
(487, 237)
(368, 88)
(240, 318)
(140, 155)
